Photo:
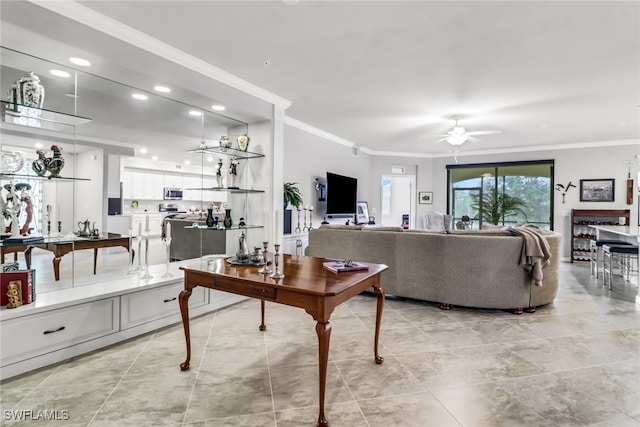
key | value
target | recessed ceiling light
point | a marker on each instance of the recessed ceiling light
(187, 162)
(143, 150)
(195, 113)
(217, 107)
(210, 159)
(162, 89)
(154, 157)
(140, 96)
(38, 145)
(71, 95)
(60, 73)
(79, 61)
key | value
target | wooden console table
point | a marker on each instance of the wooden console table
(62, 246)
(306, 285)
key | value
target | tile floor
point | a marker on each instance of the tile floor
(573, 363)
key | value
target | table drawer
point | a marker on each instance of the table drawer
(146, 306)
(247, 289)
(34, 335)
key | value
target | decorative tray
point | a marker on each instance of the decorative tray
(235, 261)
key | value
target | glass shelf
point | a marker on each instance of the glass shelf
(227, 152)
(40, 178)
(38, 117)
(231, 190)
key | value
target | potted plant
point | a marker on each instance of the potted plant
(495, 206)
(292, 195)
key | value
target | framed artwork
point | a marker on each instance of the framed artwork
(425, 197)
(362, 213)
(597, 190)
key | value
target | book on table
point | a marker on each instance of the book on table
(344, 266)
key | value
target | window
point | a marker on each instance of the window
(489, 193)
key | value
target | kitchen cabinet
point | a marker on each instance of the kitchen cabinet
(153, 185)
(173, 180)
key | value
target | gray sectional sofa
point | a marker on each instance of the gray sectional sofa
(454, 267)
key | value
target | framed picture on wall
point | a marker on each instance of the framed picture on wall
(597, 190)
(425, 197)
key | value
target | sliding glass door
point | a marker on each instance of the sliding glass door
(502, 193)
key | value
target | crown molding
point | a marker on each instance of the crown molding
(116, 29)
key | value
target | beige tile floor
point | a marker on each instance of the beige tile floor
(575, 362)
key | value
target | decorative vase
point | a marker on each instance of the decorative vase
(29, 91)
(227, 218)
(224, 143)
(209, 221)
(243, 142)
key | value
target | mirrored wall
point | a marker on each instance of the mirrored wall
(87, 161)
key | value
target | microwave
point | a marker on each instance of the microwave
(172, 194)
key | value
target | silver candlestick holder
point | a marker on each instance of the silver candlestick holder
(298, 229)
(167, 246)
(276, 273)
(132, 269)
(145, 236)
(305, 228)
(265, 268)
(310, 218)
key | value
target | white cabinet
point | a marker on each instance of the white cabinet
(132, 184)
(143, 184)
(190, 182)
(150, 305)
(30, 336)
(295, 244)
(153, 185)
(173, 180)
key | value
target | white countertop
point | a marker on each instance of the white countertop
(623, 230)
(104, 285)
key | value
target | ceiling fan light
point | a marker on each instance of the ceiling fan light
(456, 139)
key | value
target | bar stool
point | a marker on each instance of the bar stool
(624, 255)
(596, 257)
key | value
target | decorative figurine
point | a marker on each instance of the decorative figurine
(41, 164)
(56, 163)
(243, 142)
(233, 171)
(14, 294)
(219, 172)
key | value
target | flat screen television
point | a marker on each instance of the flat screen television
(341, 195)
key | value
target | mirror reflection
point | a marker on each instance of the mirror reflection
(95, 173)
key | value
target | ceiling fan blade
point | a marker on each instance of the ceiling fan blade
(484, 132)
(440, 140)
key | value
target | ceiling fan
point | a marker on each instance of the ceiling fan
(459, 135)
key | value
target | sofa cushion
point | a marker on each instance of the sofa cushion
(382, 229)
(438, 221)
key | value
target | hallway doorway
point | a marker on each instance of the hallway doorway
(398, 198)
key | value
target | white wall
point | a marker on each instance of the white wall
(307, 155)
(89, 195)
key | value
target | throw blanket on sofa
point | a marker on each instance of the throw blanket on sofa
(535, 253)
